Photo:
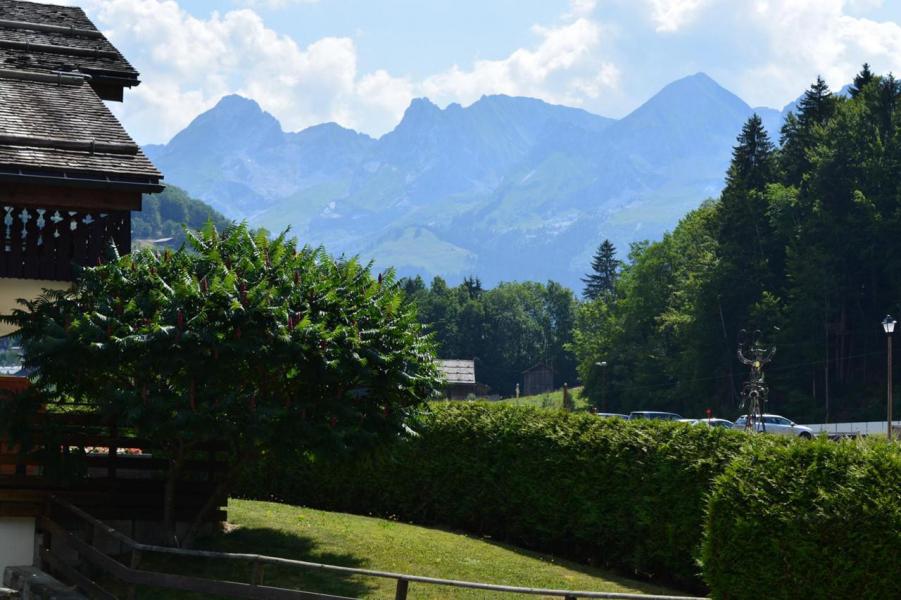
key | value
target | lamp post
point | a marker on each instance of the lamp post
(603, 366)
(888, 325)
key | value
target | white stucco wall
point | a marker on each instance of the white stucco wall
(16, 541)
(13, 289)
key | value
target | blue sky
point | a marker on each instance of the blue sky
(360, 62)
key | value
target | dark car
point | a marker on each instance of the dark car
(654, 414)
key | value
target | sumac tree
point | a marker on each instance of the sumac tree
(234, 339)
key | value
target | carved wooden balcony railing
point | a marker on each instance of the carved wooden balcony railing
(45, 243)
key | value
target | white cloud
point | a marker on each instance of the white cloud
(581, 8)
(272, 3)
(806, 38)
(563, 58)
(670, 15)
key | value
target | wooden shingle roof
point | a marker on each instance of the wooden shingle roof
(55, 69)
(64, 130)
(48, 38)
(458, 371)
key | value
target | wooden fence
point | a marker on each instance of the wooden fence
(96, 465)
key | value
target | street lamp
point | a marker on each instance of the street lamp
(888, 324)
(603, 366)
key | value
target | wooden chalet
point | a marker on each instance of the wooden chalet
(70, 176)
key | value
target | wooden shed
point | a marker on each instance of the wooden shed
(460, 379)
(538, 379)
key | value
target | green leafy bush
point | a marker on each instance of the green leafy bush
(609, 492)
(236, 339)
(812, 520)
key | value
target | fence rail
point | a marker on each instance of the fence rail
(861, 427)
(254, 590)
(87, 459)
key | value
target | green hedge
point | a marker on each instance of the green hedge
(608, 492)
(809, 520)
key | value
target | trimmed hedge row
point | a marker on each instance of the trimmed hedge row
(812, 520)
(779, 518)
(614, 493)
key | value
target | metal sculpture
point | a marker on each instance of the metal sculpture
(754, 393)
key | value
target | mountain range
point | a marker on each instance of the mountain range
(507, 188)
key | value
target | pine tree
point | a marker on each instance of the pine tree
(601, 282)
(861, 80)
(745, 235)
(473, 287)
(753, 164)
(800, 131)
(817, 105)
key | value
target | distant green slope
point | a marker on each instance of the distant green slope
(164, 216)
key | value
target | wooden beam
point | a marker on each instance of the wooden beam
(46, 196)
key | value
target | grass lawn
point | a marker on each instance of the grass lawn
(365, 542)
(551, 400)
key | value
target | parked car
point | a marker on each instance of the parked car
(776, 424)
(716, 423)
(654, 414)
(689, 421)
(612, 415)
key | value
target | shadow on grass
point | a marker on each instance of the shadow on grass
(642, 584)
(263, 541)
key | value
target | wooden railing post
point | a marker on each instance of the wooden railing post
(113, 451)
(402, 586)
(256, 575)
(135, 563)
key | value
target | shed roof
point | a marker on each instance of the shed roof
(539, 367)
(49, 38)
(63, 131)
(458, 371)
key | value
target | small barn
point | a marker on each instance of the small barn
(460, 379)
(538, 379)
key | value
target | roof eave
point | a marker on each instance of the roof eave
(65, 179)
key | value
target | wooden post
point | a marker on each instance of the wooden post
(135, 563)
(113, 451)
(256, 577)
(567, 405)
(402, 586)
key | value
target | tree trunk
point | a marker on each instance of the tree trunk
(175, 467)
(212, 502)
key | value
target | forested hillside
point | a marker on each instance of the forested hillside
(164, 216)
(803, 244)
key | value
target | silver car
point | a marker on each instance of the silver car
(776, 424)
(712, 422)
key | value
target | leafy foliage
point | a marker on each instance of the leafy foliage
(616, 493)
(237, 339)
(506, 329)
(802, 244)
(818, 520)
